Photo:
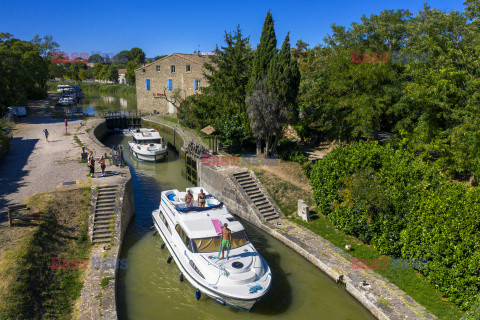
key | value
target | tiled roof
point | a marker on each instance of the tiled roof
(195, 58)
(122, 71)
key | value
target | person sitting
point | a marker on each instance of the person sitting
(202, 198)
(188, 199)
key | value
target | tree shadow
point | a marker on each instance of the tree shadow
(12, 169)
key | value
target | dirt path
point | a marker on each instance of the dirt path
(290, 172)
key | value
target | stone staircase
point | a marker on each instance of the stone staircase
(103, 220)
(258, 198)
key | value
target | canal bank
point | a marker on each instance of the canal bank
(111, 203)
(383, 299)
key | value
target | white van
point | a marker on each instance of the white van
(18, 111)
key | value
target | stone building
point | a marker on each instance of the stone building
(156, 81)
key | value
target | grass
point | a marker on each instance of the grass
(104, 282)
(31, 288)
(286, 193)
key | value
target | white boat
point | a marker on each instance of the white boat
(192, 237)
(147, 145)
(66, 100)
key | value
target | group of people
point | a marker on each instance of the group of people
(202, 199)
(91, 164)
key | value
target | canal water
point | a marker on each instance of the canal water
(95, 103)
(150, 288)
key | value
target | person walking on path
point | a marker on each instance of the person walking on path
(46, 134)
(91, 163)
(102, 164)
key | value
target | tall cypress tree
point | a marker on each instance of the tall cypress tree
(265, 52)
(283, 79)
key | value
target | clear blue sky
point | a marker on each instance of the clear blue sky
(164, 27)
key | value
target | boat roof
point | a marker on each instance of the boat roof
(145, 134)
(203, 222)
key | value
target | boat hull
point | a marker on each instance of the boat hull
(148, 157)
(243, 304)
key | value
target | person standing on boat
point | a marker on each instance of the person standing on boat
(226, 236)
(202, 198)
(189, 199)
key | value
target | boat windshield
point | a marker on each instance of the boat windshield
(212, 244)
(145, 141)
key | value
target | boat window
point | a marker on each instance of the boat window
(213, 244)
(184, 237)
(165, 222)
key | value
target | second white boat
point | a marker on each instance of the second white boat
(148, 145)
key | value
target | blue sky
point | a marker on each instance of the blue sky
(164, 27)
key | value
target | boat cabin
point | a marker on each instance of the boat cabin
(146, 136)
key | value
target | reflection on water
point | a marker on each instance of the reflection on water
(150, 288)
(94, 103)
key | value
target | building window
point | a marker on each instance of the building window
(172, 69)
(147, 84)
(170, 84)
(187, 68)
(196, 84)
(158, 68)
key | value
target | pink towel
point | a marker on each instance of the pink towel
(217, 225)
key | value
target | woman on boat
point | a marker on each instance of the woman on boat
(202, 198)
(189, 199)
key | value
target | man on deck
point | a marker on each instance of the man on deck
(226, 236)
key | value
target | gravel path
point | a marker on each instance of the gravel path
(35, 165)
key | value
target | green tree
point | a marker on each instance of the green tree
(283, 79)
(137, 55)
(266, 50)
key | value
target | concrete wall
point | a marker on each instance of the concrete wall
(221, 184)
(150, 101)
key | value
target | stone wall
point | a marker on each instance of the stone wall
(152, 101)
(223, 186)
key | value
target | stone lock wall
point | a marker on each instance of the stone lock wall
(151, 101)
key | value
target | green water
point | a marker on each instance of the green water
(97, 103)
(150, 288)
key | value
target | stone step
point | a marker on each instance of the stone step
(243, 179)
(252, 187)
(100, 239)
(107, 187)
(103, 214)
(274, 217)
(107, 194)
(103, 200)
(105, 205)
(240, 174)
(101, 219)
(245, 183)
(102, 225)
(257, 196)
(264, 205)
(253, 192)
(100, 228)
(101, 233)
(260, 201)
(267, 212)
(249, 185)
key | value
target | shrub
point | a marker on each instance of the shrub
(289, 150)
(405, 208)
